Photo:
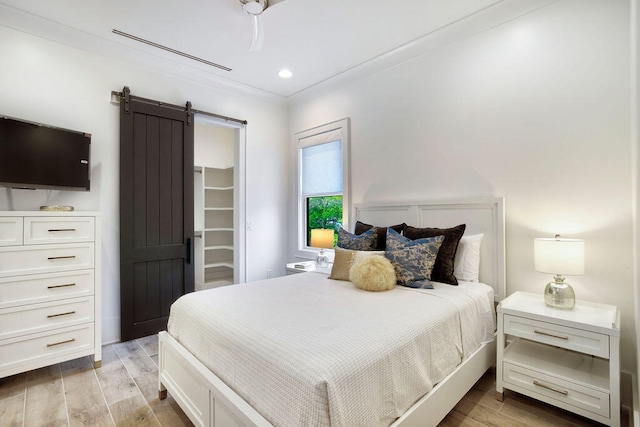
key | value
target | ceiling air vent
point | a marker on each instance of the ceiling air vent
(168, 49)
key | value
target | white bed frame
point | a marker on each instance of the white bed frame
(209, 402)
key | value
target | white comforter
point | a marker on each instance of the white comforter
(306, 350)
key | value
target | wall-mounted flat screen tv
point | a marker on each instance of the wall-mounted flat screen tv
(38, 156)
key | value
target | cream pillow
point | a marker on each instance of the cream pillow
(344, 259)
(373, 274)
(467, 262)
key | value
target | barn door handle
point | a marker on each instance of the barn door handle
(189, 250)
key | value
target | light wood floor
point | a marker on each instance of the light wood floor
(124, 392)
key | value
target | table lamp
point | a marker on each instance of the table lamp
(322, 238)
(559, 256)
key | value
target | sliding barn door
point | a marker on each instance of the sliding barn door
(156, 212)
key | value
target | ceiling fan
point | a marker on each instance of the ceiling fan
(255, 9)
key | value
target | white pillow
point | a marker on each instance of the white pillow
(466, 266)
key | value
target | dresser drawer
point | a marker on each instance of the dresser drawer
(43, 230)
(35, 318)
(45, 258)
(21, 290)
(45, 348)
(528, 381)
(10, 231)
(559, 336)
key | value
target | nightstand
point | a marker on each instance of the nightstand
(304, 266)
(567, 358)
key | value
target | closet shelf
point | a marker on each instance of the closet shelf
(214, 251)
(228, 248)
(219, 264)
(218, 229)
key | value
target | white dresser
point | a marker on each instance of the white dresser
(49, 289)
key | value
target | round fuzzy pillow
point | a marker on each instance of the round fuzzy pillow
(374, 273)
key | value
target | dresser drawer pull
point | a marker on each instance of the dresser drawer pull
(61, 257)
(61, 229)
(61, 342)
(61, 314)
(61, 286)
(562, 392)
(550, 335)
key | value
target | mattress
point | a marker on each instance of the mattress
(307, 350)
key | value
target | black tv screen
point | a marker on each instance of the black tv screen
(38, 156)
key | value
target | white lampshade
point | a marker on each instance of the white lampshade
(559, 256)
(321, 238)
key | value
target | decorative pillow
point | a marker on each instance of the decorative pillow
(345, 258)
(443, 270)
(373, 273)
(467, 263)
(381, 232)
(364, 242)
(413, 260)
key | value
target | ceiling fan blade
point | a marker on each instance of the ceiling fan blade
(258, 35)
(274, 2)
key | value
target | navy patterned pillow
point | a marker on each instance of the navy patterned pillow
(413, 260)
(364, 242)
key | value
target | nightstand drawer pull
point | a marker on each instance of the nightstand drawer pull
(61, 257)
(61, 229)
(61, 314)
(61, 342)
(550, 335)
(563, 392)
(61, 286)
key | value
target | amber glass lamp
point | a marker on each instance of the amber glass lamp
(323, 239)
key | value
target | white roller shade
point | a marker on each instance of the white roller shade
(322, 168)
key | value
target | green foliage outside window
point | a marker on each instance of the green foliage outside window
(324, 212)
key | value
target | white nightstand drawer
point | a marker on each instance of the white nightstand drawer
(34, 318)
(556, 389)
(45, 348)
(10, 231)
(557, 335)
(29, 289)
(43, 230)
(45, 258)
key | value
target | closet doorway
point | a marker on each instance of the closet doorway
(219, 202)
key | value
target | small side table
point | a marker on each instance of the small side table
(305, 266)
(567, 358)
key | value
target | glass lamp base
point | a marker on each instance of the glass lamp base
(559, 295)
(322, 260)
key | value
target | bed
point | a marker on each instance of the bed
(339, 379)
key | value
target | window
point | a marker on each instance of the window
(323, 180)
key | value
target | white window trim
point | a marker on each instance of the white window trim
(339, 129)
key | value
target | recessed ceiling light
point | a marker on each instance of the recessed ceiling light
(285, 74)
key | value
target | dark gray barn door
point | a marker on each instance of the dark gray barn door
(156, 212)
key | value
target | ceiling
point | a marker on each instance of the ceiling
(318, 40)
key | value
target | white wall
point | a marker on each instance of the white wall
(535, 110)
(50, 83)
(213, 146)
